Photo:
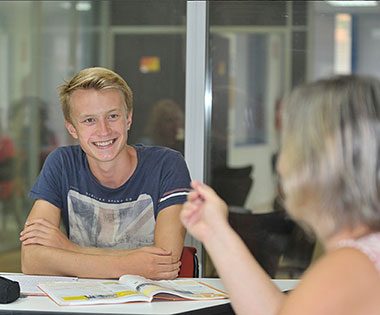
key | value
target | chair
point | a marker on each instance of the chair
(232, 184)
(298, 254)
(189, 263)
(266, 235)
(8, 182)
(7, 157)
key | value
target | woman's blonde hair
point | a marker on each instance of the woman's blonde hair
(93, 78)
(330, 153)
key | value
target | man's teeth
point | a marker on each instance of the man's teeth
(103, 144)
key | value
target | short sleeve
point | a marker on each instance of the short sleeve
(175, 181)
(48, 185)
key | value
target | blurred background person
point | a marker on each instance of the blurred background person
(7, 155)
(21, 124)
(165, 126)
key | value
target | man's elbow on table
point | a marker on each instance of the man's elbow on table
(30, 264)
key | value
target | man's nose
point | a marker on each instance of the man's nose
(103, 127)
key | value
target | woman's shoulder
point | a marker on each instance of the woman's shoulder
(344, 281)
(369, 244)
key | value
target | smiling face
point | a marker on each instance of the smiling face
(100, 123)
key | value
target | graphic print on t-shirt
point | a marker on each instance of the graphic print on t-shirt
(122, 225)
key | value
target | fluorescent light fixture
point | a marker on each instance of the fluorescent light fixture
(362, 3)
(83, 6)
(79, 6)
(65, 5)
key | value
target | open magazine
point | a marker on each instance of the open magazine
(129, 288)
(29, 283)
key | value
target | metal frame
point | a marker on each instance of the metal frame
(198, 96)
(198, 88)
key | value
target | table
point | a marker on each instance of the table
(43, 305)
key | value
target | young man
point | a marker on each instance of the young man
(120, 203)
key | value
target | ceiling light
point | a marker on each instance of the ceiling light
(65, 5)
(83, 6)
(362, 3)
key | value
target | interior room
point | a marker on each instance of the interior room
(255, 53)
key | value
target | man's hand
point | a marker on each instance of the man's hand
(46, 250)
(42, 232)
(150, 262)
(153, 263)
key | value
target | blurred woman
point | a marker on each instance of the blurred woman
(330, 169)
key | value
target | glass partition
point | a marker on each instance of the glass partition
(259, 50)
(43, 43)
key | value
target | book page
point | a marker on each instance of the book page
(172, 289)
(90, 292)
(29, 284)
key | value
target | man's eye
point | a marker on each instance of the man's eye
(89, 120)
(113, 116)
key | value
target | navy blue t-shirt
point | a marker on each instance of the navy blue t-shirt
(120, 218)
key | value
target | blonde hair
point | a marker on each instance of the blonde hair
(93, 78)
(330, 151)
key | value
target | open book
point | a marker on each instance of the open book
(129, 288)
(29, 283)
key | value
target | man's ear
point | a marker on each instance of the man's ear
(71, 129)
(129, 119)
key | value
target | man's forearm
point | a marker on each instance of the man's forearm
(150, 262)
(103, 251)
(44, 260)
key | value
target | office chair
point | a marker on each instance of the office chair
(189, 263)
(8, 182)
(298, 253)
(266, 235)
(232, 184)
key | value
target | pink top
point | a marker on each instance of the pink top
(368, 244)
